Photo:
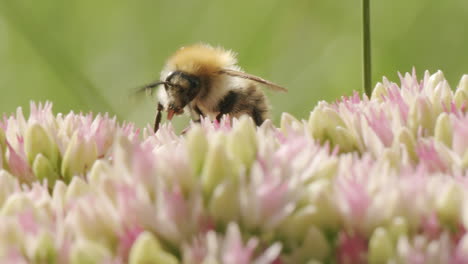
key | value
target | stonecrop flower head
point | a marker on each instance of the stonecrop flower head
(363, 180)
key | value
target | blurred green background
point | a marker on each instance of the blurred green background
(87, 55)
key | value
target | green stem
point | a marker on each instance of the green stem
(366, 45)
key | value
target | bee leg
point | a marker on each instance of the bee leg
(157, 120)
(228, 104)
(196, 114)
(257, 116)
(219, 116)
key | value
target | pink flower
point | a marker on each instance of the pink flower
(352, 248)
(126, 240)
(430, 157)
(381, 125)
(18, 164)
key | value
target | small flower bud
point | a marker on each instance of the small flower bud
(146, 249)
(461, 97)
(43, 169)
(16, 203)
(289, 122)
(242, 142)
(43, 249)
(421, 114)
(443, 129)
(379, 92)
(197, 146)
(464, 162)
(407, 139)
(217, 167)
(58, 194)
(449, 204)
(224, 205)
(398, 228)
(322, 120)
(295, 226)
(463, 84)
(433, 81)
(315, 246)
(2, 141)
(8, 183)
(79, 157)
(98, 172)
(37, 141)
(76, 188)
(381, 248)
(89, 252)
(322, 211)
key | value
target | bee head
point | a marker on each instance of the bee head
(181, 89)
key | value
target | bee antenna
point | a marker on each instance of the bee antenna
(157, 121)
(151, 86)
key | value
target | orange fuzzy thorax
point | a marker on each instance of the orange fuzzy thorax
(201, 59)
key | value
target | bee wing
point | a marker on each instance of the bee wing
(254, 78)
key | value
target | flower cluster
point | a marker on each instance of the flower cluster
(363, 180)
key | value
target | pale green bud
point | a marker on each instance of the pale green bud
(12, 234)
(37, 141)
(379, 92)
(98, 172)
(315, 246)
(323, 212)
(147, 249)
(89, 252)
(449, 204)
(464, 162)
(3, 158)
(463, 84)
(3, 145)
(288, 122)
(123, 148)
(43, 169)
(197, 146)
(58, 194)
(2, 141)
(79, 156)
(443, 129)
(242, 142)
(217, 167)
(406, 138)
(441, 97)
(295, 226)
(76, 188)
(8, 184)
(44, 250)
(327, 170)
(16, 203)
(343, 138)
(460, 97)
(398, 228)
(210, 260)
(326, 125)
(381, 248)
(322, 120)
(224, 204)
(434, 80)
(392, 156)
(421, 113)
